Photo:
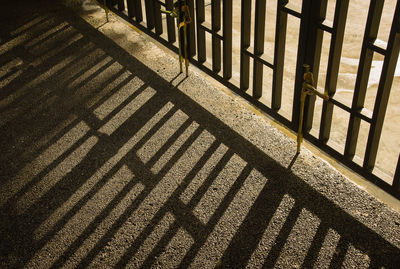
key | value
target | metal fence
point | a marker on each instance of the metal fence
(313, 25)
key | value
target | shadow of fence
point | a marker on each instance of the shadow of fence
(104, 162)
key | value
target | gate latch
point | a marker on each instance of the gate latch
(182, 13)
(307, 88)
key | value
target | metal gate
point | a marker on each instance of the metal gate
(212, 30)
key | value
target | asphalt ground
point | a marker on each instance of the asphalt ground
(111, 158)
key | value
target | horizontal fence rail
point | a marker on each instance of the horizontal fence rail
(212, 22)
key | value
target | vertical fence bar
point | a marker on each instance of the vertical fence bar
(335, 52)
(364, 67)
(259, 32)
(382, 96)
(309, 52)
(315, 37)
(227, 33)
(191, 30)
(121, 5)
(150, 21)
(301, 54)
(157, 17)
(396, 178)
(216, 43)
(244, 44)
(138, 10)
(201, 34)
(169, 5)
(279, 55)
(131, 8)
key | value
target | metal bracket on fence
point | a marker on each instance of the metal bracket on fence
(307, 89)
(182, 13)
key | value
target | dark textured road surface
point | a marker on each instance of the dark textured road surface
(110, 159)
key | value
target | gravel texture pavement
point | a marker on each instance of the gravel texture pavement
(110, 158)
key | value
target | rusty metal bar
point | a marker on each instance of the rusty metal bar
(335, 52)
(384, 87)
(259, 32)
(216, 43)
(201, 35)
(244, 44)
(279, 54)
(364, 67)
(227, 39)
